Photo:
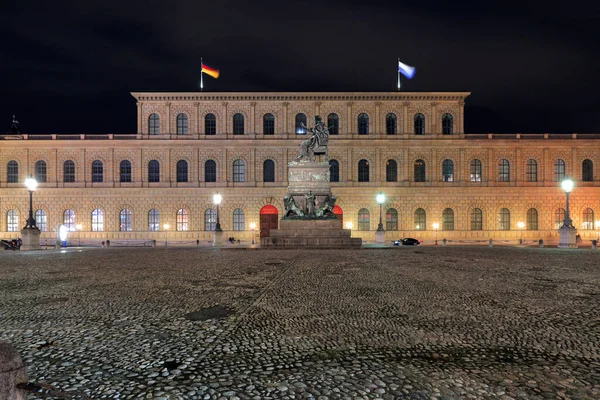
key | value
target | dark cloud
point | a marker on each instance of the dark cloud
(530, 68)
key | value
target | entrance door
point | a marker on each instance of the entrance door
(269, 219)
(337, 210)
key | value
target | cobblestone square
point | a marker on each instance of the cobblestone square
(395, 323)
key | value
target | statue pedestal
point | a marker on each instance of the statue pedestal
(379, 236)
(567, 237)
(310, 233)
(218, 238)
(30, 238)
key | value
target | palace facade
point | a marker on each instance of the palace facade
(410, 146)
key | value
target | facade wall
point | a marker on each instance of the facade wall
(435, 194)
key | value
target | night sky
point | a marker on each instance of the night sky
(69, 66)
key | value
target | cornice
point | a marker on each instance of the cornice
(300, 96)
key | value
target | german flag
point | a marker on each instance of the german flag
(210, 71)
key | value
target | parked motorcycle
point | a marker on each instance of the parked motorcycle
(13, 244)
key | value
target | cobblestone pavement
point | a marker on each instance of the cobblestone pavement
(414, 323)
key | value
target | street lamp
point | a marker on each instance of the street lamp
(567, 232)
(78, 227)
(217, 200)
(31, 184)
(598, 229)
(567, 186)
(436, 226)
(521, 225)
(166, 227)
(349, 225)
(252, 226)
(380, 200)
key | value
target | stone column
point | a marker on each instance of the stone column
(12, 372)
(461, 116)
(168, 130)
(223, 121)
(139, 117)
(318, 111)
(433, 123)
(285, 110)
(405, 113)
(378, 129)
(196, 117)
(349, 118)
(252, 117)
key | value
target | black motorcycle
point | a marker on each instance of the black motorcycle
(13, 244)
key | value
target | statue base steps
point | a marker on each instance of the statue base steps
(317, 234)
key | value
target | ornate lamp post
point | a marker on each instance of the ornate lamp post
(521, 225)
(436, 226)
(567, 232)
(218, 233)
(252, 226)
(166, 227)
(30, 233)
(78, 227)
(380, 233)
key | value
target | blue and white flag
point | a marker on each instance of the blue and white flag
(406, 70)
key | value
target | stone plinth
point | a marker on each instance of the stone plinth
(30, 238)
(307, 233)
(12, 372)
(308, 176)
(218, 238)
(379, 236)
(567, 237)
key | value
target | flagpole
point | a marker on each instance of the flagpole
(201, 82)
(398, 65)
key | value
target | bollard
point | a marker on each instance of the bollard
(197, 242)
(491, 243)
(541, 243)
(444, 242)
(153, 242)
(594, 243)
(107, 243)
(12, 372)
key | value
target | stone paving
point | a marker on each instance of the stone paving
(396, 323)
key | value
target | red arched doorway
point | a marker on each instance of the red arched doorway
(337, 210)
(269, 217)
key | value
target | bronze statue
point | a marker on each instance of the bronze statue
(291, 209)
(326, 209)
(316, 144)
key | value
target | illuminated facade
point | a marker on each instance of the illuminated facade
(410, 146)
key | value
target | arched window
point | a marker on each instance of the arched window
(97, 171)
(364, 220)
(420, 220)
(210, 124)
(12, 172)
(587, 171)
(40, 171)
(182, 220)
(504, 220)
(154, 220)
(532, 219)
(448, 171)
(125, 171)
(559, 217)
(334, 171)
(447, 124)
(531, 174)
(448, 219)
(41, 220)
(210, 220)
(69, 171)
(503, 171)
(239, 171)
(559, 170)
(300, 124)
(420, 171)
(182, 124)
(269, 171)
(333, 123)
(69, 220)
(125, 220)
(391, 124)
(391, 171)
(475, 170)
(239, 220)
(268, 124)
(182, 171)
(153, 171)
(391, 219)
(476, 219)
(12, 221)
(238, 124)
(363, 171)
(588, 219)
(363, 124)
(210, 171)
(153, 124)
(97, 220)
(419, 124)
